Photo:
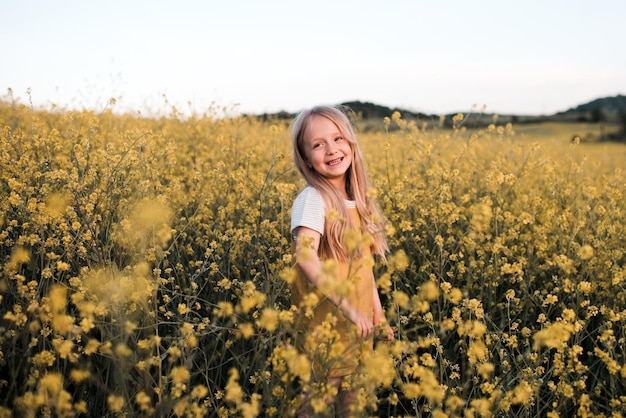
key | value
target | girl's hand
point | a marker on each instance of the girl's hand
(365, 327)
(385, 332)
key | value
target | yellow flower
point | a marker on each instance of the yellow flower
(429, 291)
(288, 275)
(186, 329)
(62, 324)
(310, 300)
(586, 252)
(122, 350)
(269, 319)
(143, 400)
(62, 266)
(352, 239)
(485, 369)
(446, 287)
(454, 402)
(224, 284)
(319, 405)
(481, 217)
(379, 367)
(476, 352)
(55, 204)
(550, 300)
(400, 298)
(565, 263)
(297, 364)
(79, 375)
(384, 282)
(482, 407)
(174, 353)
(476, 307)
(246, 329)
(51, 383)
(510, 294)
(584, 287)
(568, 315)
(412, 390)
(455, 296)
(199, 392)
(92, 346)
(43, 358)
(476, 329)
(19, 256)
(179, 374)
(252, 297)
(554, 335)
(438, 413)
(522, 393)
(286, 316)
(129, 327)
(64, 349)
(224, 309)
(105, 348)
(234, 392)
(116, 403)
(81, 407)
(613, 366)
(332, 215)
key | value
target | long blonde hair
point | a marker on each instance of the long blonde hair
(357, 187)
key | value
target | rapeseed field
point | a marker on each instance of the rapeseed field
(145, 266)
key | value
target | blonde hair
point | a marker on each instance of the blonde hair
(357, 187)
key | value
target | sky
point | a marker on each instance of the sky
(532, 57)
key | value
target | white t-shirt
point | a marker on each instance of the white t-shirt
(308, 210)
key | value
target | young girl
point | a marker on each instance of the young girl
(337, 226)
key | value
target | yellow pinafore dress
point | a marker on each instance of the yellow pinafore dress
(323, 333)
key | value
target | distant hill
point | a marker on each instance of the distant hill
(371, 116)
(363, 110)
(609, 105)
(607, 109)
(368, 110)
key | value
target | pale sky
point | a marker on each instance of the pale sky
(523, 57)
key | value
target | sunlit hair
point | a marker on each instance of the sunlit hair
(357, 187)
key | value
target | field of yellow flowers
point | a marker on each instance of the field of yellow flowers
(145, 265)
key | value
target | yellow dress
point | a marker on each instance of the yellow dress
(324, 334)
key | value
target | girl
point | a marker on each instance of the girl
(336, 226)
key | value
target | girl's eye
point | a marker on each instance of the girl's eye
(339, 138)
(317, 145)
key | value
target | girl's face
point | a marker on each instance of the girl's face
(326, 150)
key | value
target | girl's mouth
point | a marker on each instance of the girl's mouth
(335, 162)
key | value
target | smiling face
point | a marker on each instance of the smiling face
(326, 150)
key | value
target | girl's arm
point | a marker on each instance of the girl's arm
(379, 315)
(307, 245)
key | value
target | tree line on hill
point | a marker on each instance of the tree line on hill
(607, 109)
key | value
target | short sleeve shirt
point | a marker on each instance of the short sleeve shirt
(308, 210)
